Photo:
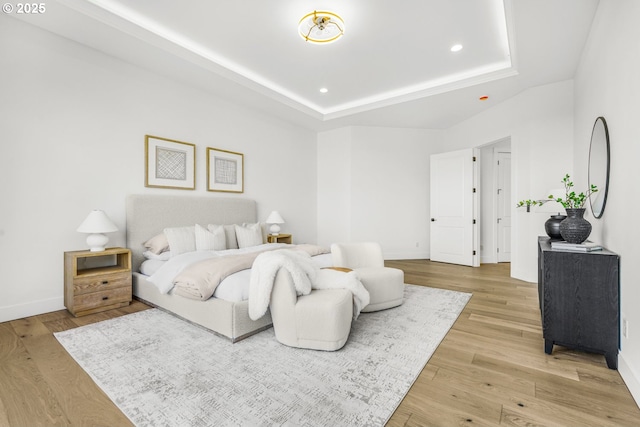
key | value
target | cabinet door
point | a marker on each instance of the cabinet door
(581, 300)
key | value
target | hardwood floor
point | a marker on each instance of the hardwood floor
(489, 370)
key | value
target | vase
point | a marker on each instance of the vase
(575, 229)
(552, 226)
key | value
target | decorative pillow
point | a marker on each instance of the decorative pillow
(157, 244)
(163, 256)
(229, 235)
(181, 239)
(249, 235)
(212, 239)
(263, 229)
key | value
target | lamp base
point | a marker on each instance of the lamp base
(97, 242)
(274, 229)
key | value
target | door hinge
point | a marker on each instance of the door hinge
(498, 162)
(474, 252)
(474, 158)
(474, 221)
(498, 250)
(474, 190)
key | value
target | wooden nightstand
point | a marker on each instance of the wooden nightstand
(97, 281)
(279, 238)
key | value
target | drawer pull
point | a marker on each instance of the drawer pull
(105, 282)
(105, 298)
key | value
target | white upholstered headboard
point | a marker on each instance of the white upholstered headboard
(148, 215)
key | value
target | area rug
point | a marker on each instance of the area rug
(162, 371)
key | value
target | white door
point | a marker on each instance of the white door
(504, 207)
(452, 223)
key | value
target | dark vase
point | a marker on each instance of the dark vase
(575, 229)
(552, 226)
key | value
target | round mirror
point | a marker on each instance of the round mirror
(599, 166)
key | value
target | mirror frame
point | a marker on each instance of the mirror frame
(606, 184)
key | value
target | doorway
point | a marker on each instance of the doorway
(496, 202)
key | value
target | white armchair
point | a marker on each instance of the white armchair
(318, 321)
(385, 285)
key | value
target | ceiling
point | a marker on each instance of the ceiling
(393, 67)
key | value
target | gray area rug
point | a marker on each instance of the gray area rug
(162, 371)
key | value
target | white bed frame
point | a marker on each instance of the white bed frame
(148, 215)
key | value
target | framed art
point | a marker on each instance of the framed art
(225, 171)
(169, 163)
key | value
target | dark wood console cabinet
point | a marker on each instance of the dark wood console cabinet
(579, 300)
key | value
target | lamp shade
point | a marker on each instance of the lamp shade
(97, 223)
(274, 219)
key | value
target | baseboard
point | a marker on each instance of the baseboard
(406, 255)
(526, 276)
(18, 311)
(630, 377)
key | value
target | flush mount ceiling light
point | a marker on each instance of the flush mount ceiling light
(321, 27)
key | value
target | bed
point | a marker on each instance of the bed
(149, 215)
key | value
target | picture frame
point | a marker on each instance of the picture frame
(225, 171)
(169, 163)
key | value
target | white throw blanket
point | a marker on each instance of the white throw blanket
(306, 276)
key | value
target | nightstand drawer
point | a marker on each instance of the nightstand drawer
(101, 299)
(83, 285)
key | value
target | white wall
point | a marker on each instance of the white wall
(72, 126)
(334, 186)
(373, 185)
(539, 122)
(607, 84)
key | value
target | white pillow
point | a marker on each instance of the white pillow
(229, 234)
(181, 239)
(232, 240)
(210, 240)
(150, 266)
(263, 229)
(164, 256)
(249, 235)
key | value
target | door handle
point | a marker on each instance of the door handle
(433, 219)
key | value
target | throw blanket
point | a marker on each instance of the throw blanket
(306, 276)
(200, 279)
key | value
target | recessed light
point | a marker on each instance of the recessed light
(456, 48)
(324, 90)
(483, 98)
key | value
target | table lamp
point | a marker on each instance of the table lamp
(275, 219)
(96, 224)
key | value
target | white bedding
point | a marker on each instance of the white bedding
(233, 288)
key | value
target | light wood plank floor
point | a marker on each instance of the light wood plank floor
(489, 370)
